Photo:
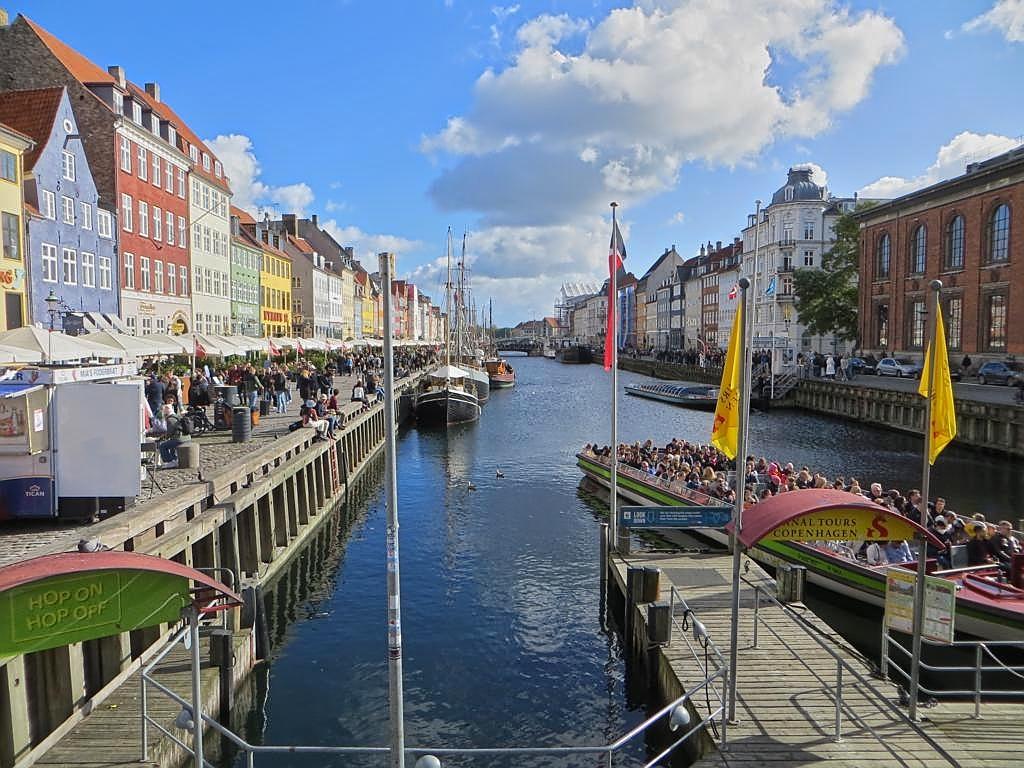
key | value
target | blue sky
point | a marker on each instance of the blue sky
(520, 122)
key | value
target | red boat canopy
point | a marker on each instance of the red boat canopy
(825, 515)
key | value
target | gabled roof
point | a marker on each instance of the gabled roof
(81, 68)
(89, 73)
(244, 217)
(657, 263)
(31, 113)
(301, 244)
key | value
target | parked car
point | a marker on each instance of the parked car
(996, 372)
(861, 367)
(897, 366)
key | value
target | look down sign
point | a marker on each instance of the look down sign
(675, 517)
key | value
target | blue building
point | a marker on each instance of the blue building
(71, 244)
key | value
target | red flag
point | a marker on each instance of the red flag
(616, 253)
(274, 351)
(200, 349)
(298, 347)
(733, 291)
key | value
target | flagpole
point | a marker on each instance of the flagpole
(741, 490)
(753, 312)
(613, 296)
(922, 547)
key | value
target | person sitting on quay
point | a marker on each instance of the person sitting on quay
(310, 418)
(177, 430)
(359, 394)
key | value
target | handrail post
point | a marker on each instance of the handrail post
(977, 680)
(609, 758)
(145, 715)
(671, 613)
(757, 605)
(839, 700)
(723, 718)
(884, 667)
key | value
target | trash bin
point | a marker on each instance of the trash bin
(241, 426)
(789, 583)
(264, 407)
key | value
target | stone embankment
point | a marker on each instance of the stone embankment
(249, 508)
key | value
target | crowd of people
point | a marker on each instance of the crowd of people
(176, 415)
(705, 469)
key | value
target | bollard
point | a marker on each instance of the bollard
(789, 583)
(659, 623)
(222, 656)
(635, 585)
(651, 585)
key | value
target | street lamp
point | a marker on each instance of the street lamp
(53, 302)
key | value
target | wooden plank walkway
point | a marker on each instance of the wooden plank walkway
(111, 736)
(785, 705)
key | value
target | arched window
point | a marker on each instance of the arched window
(999, 234)
(955, 243)
(918, 243)
(882, 256)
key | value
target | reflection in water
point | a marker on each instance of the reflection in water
(502, 632)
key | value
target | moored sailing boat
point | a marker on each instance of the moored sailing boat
(448, 395)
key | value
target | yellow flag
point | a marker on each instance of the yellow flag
(943, 423)
(726, 427)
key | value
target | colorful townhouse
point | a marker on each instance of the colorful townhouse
(70, 248)
(275, 279)
(13, 146)
(131, 141)
(246, 259)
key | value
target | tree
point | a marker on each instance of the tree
(826, 298)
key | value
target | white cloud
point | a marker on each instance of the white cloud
(818, 175)
(648, 89)
(333, 206)
(950, 161)
(368, 245)
(677, 218)
(250, 193)
(1006, 16)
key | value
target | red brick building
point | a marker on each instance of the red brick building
(969, 233)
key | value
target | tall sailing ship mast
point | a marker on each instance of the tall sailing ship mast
(448, 394)
(467, 356)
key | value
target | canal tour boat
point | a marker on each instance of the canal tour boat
(700, 396)
(575, 354)
(500, 373)
(446, 396)
(985, 607)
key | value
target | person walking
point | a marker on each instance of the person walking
(830, 368)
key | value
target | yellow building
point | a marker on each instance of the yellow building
(276, 291)
(13, 146)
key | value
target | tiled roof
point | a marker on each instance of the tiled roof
(301, 244)
(78, 65)
(87, 72)
(31, 113)
(243, 216)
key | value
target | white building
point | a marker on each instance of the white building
(791, 233)
(321, 301)
(728, 283)
(335, 318)
(209, 206)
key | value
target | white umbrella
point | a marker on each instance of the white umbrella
(228, 345)
(17, 355)
(283, 341)
(135, 346)
(53, 345)
(215, 346)
(168, 345)
(248, 343)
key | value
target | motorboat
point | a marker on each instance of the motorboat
(701, 396)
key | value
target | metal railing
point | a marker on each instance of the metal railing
(842, 665)
(981, 648)
(675, 712)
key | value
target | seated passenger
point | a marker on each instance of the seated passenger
(898, 552)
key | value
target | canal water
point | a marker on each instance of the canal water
(502, 631)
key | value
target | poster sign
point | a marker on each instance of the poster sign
(854, 524)
(939, 604)
(71, 608)
(674, 517)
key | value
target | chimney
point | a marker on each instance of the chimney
(153, 89)
(118, 74)
(315, 223)
(288, 221)
(4, 18)
(718, 245)
(702, 250)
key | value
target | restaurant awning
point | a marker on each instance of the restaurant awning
(56, 346)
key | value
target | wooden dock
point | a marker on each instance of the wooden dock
(786, 686)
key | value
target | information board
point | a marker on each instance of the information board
(675, 517)
(939, 604)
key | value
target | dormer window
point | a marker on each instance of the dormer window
(154, 123)
(172, 136)
(789, 194)
(206, 162)
(193, 153)
(137, 113)
(118, 100)
(218, 169)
